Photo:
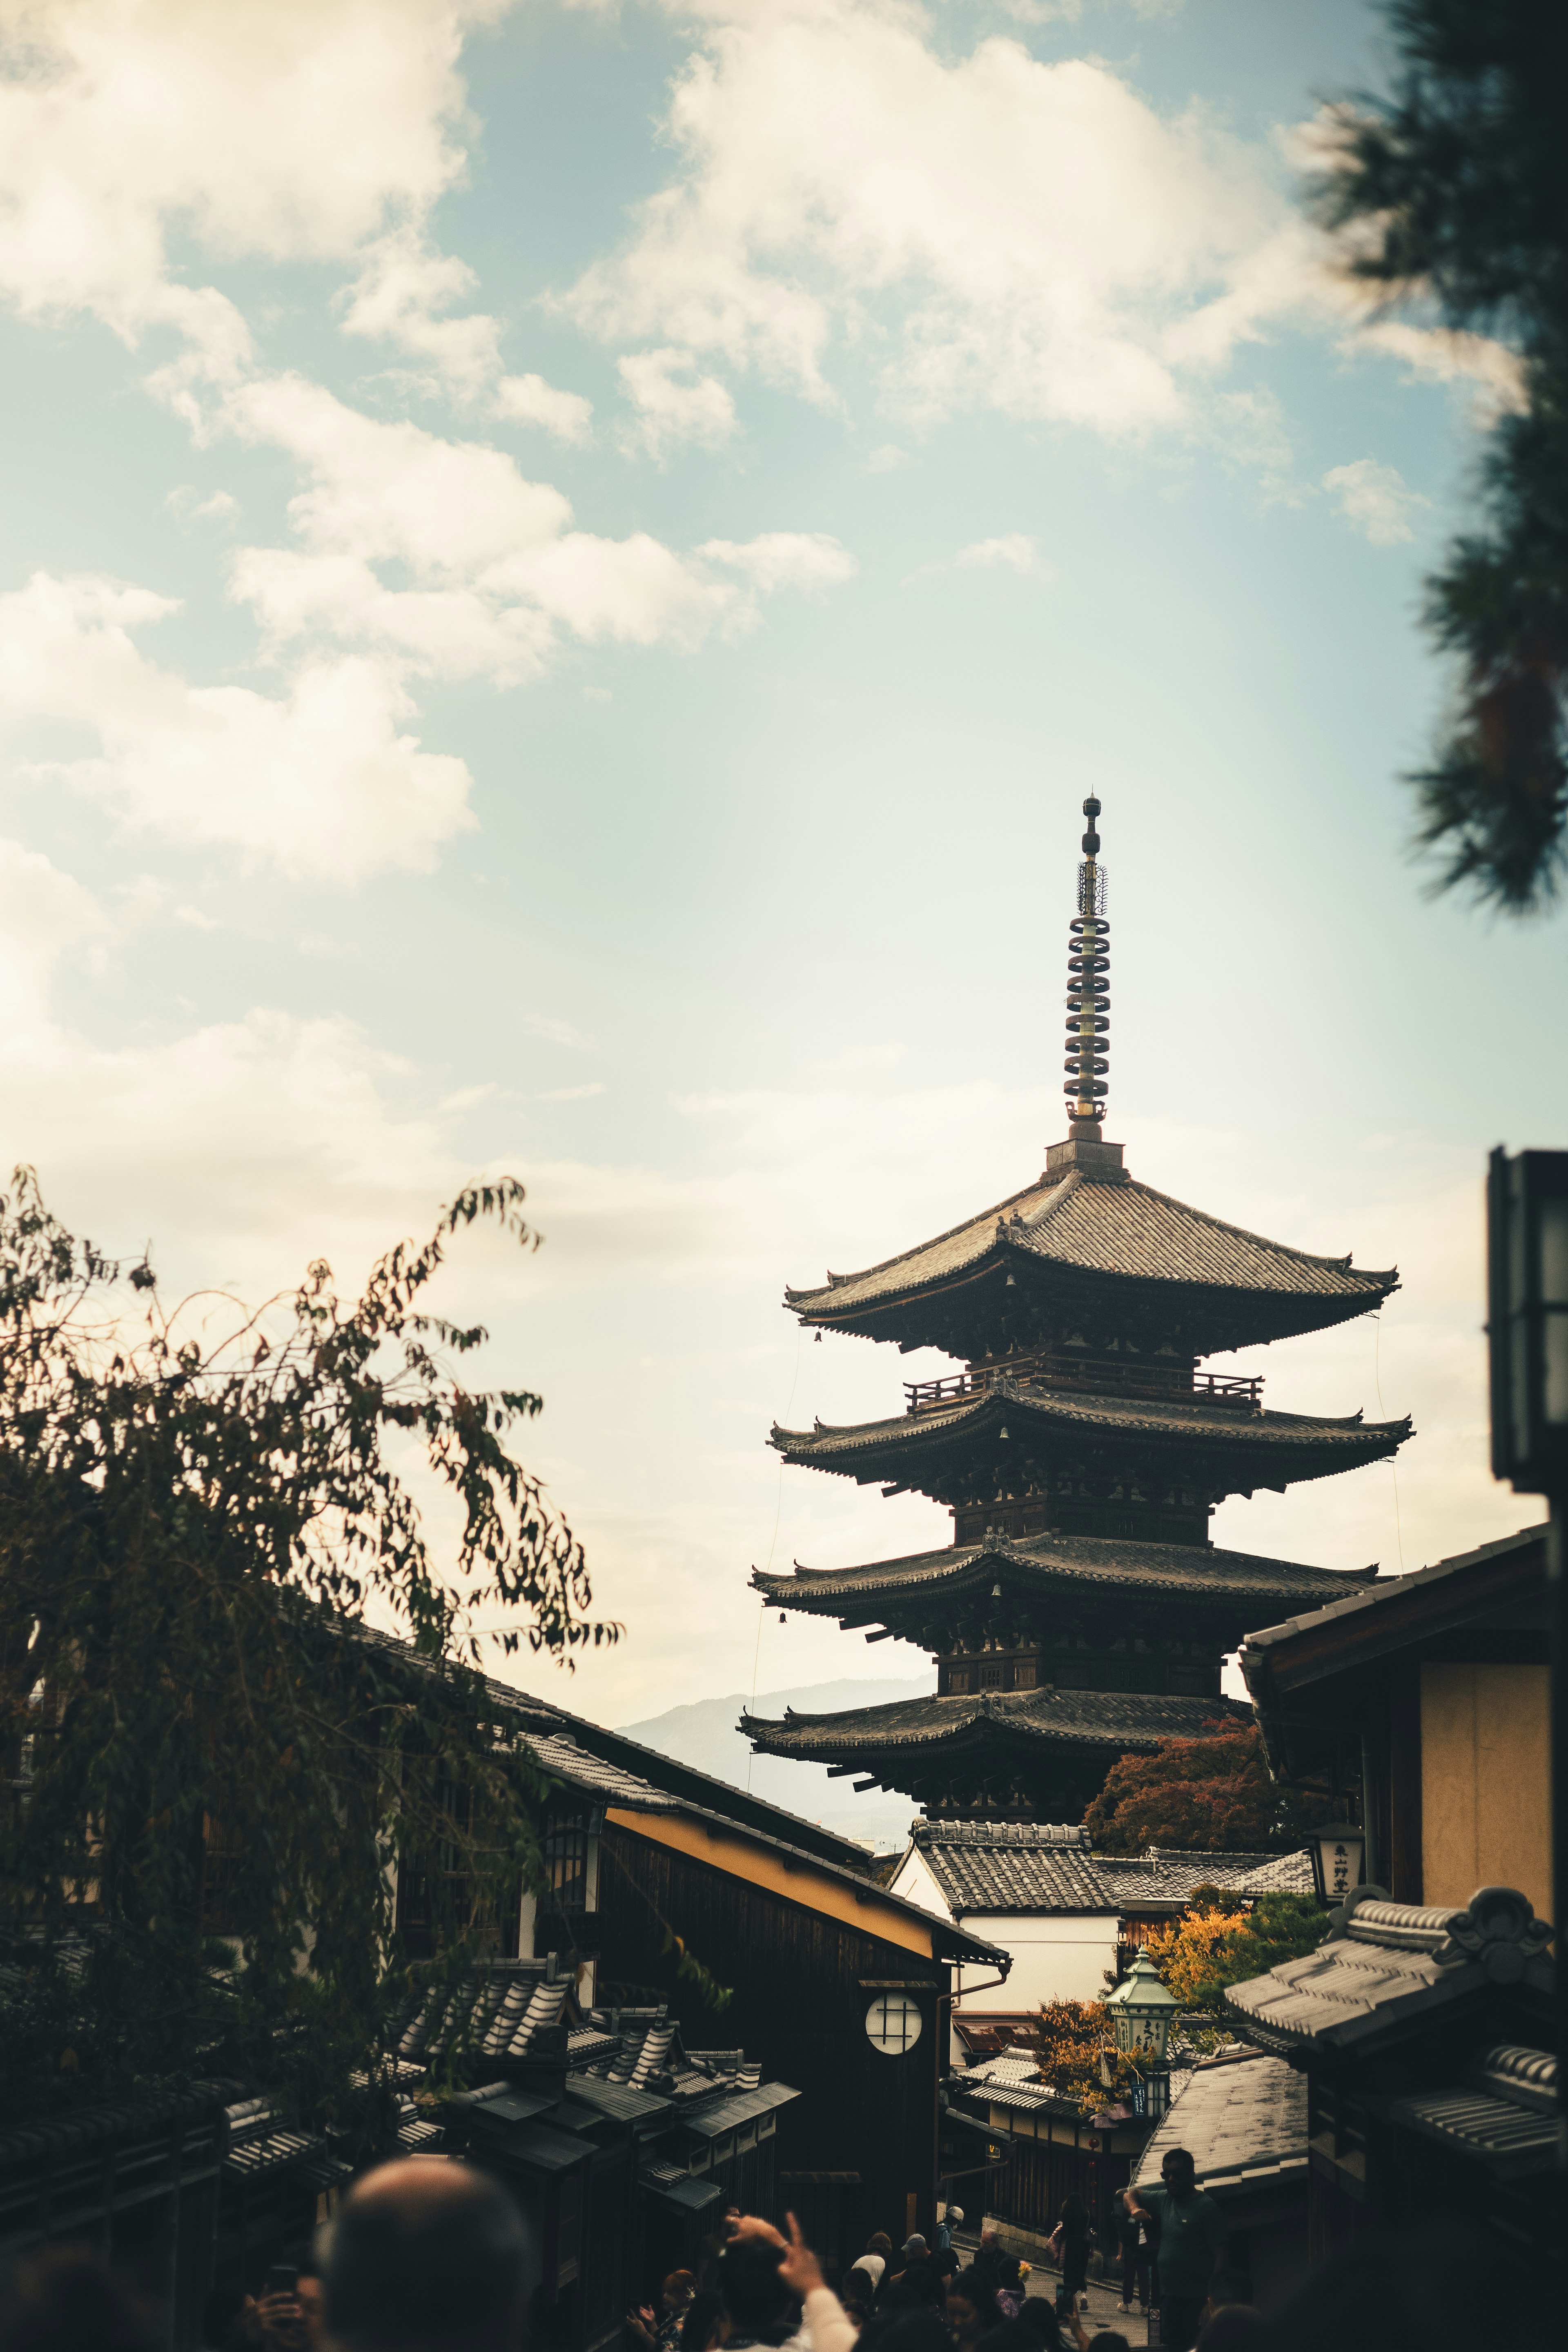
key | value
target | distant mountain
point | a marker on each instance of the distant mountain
(704, 1736)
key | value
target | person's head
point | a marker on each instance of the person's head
(65, 2299)
(1040, 2316)
(1178, 2172)
(1109, 2339)
(679, 2289)
(1073, 2207)
(878, 2243)
(970, 2306)
(755, 2296)
(704, 2318)
(988, 2234)
(915, 2248)
(1236, 2327)
(426, 2256)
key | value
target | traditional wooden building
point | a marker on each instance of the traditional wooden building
(1423, 1702)
(832, 1983)
(1082, 1610)
(1424, 2034)
(1039, 2148)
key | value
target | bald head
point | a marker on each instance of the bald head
(426, 2256)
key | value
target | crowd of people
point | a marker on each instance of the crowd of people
(426, 2255)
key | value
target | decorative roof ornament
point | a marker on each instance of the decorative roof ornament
(1089, 1004)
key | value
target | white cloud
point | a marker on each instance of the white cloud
(403, 295)
(529, 400)
(990, 230)
(1375, 499)
(279, 127)
(325, 776)
(1023, 232)
(785, 558)
(1014, 551)
(495, 573)
(674, 406)
(319, 779)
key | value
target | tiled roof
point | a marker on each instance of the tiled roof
(1250, 1444)
(1020, 1866)
(564, 1759)
(1120, 1227)
(1241, 2120)
(1047, 1561)
(1386, 1964)
(1012, 1867)
(1120, 1719)
(1282, 1873)
(1241, 1874)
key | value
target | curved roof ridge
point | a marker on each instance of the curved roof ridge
(981, 1219)
(1244, 1234)
(1024, 1550)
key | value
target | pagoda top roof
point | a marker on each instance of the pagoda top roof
(1120, 1720)
(1103, 1222)
(1186, 1571)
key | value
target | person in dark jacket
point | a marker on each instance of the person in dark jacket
(917, 2286)
(998, 2268)
(1069, 2242)
(1135, 2242)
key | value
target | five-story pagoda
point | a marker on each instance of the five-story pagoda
(1082, 1610)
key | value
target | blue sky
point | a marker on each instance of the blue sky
(565, 573)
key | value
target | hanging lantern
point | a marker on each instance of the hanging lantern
(1142, 2009)
(1338, 1849)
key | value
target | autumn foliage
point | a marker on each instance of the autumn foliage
(1221, 1942)
(1077, 2043)
(1214, 1793)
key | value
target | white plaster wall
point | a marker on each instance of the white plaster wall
(1056, 1956)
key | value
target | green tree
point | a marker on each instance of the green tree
(1221, 1941)
(1214, 1793)
(1451, 195)
(210, 1760)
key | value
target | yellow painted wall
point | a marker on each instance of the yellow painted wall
(790, 1876)
(1485, 1782)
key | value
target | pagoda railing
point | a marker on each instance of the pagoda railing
(1239, 1389)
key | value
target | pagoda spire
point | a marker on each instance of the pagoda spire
(1089, 1005)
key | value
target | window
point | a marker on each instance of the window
(993, 1677)
(893, 2023)
(566, 1859)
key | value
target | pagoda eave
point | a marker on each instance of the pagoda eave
(1103, 1248)
(1011, 1281)
(1061, 1570)
(1008, 1434)
(915, 1739)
